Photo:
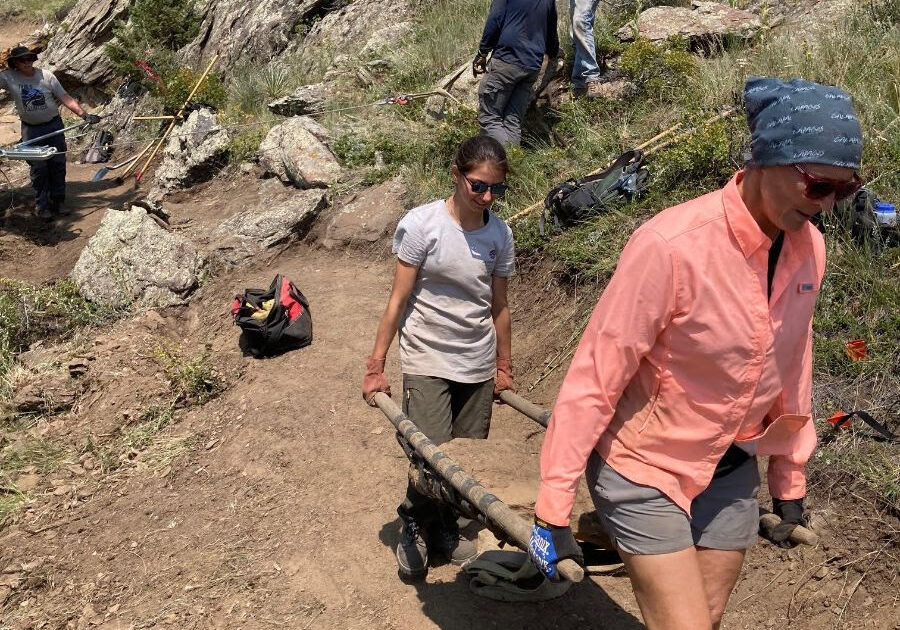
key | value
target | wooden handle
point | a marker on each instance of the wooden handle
(526, 407)
(175, 119)
(516, 528)
(131, 162)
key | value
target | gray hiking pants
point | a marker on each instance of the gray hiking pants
(503, 98)
(443, 410)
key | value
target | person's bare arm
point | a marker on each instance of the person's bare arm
(404, 281)
(72, 105)
(502, 319)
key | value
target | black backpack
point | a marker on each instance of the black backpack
(576, 200)
(273, 320)
(100, 149)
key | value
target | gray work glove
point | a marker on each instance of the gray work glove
(91, 119)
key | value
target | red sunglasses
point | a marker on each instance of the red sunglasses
(820, 187)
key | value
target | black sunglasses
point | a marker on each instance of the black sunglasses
(479, 187)
(820, 187)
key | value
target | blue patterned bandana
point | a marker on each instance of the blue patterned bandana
(799, 122)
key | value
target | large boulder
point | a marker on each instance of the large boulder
(351, 26)
(195, 151)
(385, 39)
(131, 260)
(237, 30)
(306, 99)
(296, 152)
(367, 217)
(245, 235)
(76, 52)
(703, 22)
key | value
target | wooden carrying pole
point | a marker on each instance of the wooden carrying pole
(493, 508)
(767, 520)
(641, 147)
(526, 407)
(175, 119)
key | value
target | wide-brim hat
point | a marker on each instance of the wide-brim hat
(20, 52)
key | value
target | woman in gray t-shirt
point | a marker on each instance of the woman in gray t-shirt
(449, 307)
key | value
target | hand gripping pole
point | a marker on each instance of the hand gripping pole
(517, 528)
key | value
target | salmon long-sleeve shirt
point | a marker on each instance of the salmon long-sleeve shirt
(685, 354)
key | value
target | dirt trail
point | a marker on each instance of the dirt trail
(288, 518)
(37, 251)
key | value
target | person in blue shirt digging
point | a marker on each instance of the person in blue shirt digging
(517, 35)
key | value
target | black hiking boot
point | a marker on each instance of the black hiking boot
(412, 552)
(450, 542)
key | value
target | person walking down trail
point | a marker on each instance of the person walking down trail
(697, 360)
(518, 33)
(37, 94)
(449, 305)
(585, 69)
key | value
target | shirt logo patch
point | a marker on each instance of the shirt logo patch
(492, 254)
(806, 287)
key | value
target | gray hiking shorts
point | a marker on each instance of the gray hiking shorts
(644, 521)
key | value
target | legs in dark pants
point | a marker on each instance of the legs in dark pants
(443, 409)
(48, 177)
(503, 98)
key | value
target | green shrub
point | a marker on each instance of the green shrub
(705, 159)
(658, 69)
(174, 88)
(354, 150)
(192, 379)
(154, 31)
(29, 313)
(243, 147)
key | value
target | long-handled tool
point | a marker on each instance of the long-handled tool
(51, 134)
(515, 528)
(135, 163)
(100, 174)
(175, 119)
(767, 520)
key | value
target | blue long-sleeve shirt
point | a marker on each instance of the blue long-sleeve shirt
(521, 31)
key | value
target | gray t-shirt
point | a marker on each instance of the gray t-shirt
(447, 330)
(37, 97)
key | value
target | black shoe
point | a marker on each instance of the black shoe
(412, 552)
(450, 542)
(43, 213)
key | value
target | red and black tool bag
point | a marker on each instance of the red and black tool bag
(287, 326)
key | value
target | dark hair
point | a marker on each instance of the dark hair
(480, 149)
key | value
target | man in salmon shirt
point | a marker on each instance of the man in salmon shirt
(697, 359)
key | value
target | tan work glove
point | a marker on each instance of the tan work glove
(504, 378)
(374, 381)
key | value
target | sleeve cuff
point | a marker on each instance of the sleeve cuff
(787, 481)
(554, 505)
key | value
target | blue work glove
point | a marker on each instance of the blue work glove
(550, 544)
(791, 513)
